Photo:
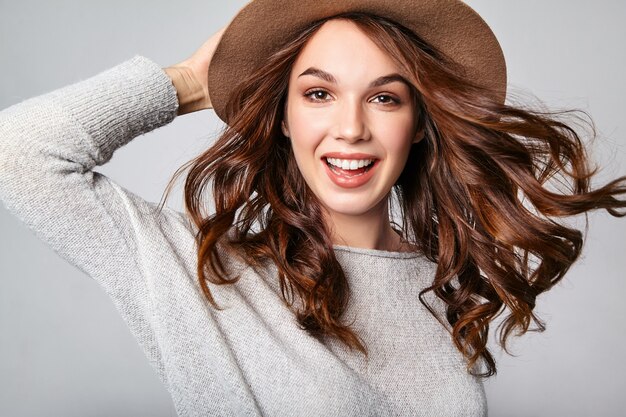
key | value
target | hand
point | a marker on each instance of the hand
(190, 77)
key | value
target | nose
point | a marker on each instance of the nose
(351, 124)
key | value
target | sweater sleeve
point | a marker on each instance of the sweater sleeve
(48, 147)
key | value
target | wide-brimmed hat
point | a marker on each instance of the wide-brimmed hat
(262, 26)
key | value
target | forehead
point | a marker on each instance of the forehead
(343, 49)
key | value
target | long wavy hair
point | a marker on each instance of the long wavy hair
(473, 197)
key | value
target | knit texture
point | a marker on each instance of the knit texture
(252, 358)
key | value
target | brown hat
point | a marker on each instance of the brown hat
(262, 26)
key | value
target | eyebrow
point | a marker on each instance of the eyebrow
(385, 79)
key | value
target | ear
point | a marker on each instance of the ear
(418, 136)
(284, 128)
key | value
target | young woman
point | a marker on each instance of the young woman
(299, 294)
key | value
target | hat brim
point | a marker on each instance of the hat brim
(261, 26)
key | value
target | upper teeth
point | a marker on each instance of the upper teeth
(349, 163)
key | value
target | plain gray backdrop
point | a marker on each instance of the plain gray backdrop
(65, 351)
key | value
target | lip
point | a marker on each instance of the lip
(350, 182)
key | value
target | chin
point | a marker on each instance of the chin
(350, 206)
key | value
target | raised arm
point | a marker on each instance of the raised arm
(49, 146)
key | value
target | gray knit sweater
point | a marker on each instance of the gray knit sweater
(251, 359)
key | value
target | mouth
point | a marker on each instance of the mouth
(350, 168)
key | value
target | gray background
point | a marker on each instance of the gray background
(64, 351)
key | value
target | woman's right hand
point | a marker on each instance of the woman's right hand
(190, 77)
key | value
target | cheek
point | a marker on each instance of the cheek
(397, 139)
(306, 132)
(305, 121)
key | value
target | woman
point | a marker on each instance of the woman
(251, 358)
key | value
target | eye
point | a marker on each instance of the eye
(391, 100)
(316, 93)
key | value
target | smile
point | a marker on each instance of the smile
(349, 168)
(348, 164)
(350, 173)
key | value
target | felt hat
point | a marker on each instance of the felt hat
(262, 26)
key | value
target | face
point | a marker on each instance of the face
(339, 107)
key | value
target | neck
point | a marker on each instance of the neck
(370, 230)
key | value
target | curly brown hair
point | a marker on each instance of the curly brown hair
(473, 196)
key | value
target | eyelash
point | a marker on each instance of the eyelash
(309, 93)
